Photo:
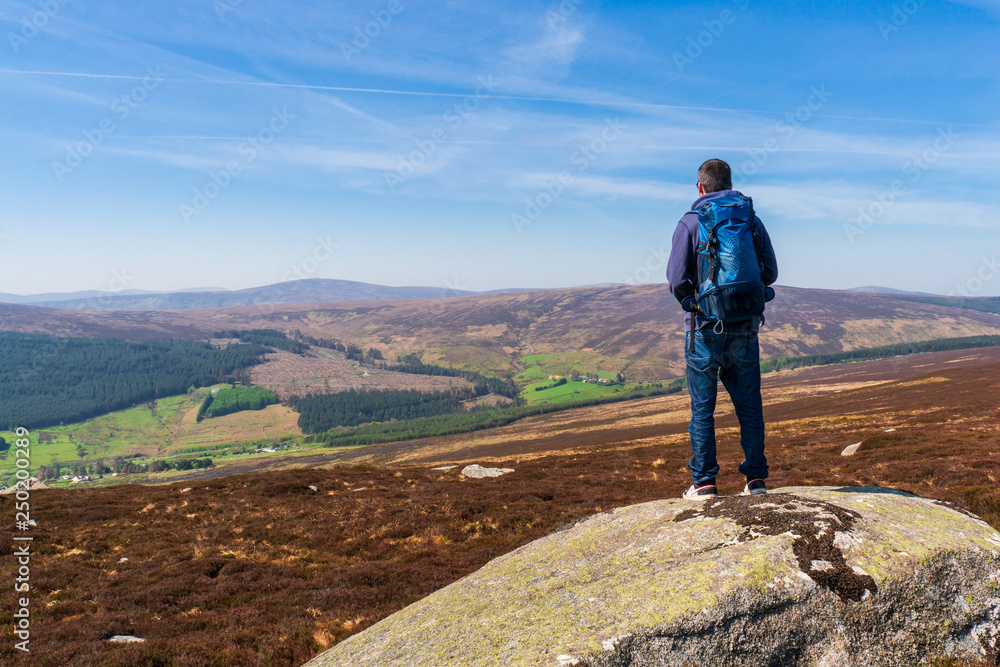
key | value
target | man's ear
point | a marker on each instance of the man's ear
(701, 188)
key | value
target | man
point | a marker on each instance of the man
(720, 349)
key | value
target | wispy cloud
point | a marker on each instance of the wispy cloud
(556, 84)
(593, 100)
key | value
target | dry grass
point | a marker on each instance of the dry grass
(323, 371)
(261, 570)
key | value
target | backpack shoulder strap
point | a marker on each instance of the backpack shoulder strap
(699, 246)
(758, 241)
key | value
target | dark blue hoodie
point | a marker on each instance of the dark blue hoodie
(682, 268)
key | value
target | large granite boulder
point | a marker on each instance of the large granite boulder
(802, 576)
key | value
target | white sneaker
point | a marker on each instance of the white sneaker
(754, 487)
(701, 492)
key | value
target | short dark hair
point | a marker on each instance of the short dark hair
(715, 175)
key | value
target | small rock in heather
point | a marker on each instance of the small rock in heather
(850, 449)
(477, 471)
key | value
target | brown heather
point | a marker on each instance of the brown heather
(258, 569)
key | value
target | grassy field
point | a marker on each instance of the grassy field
(158, 429)
(538, 368)
(144, 428)
(571, 391)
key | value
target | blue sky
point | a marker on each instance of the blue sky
(234, 143)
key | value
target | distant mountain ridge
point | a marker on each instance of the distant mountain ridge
(877, 289)
(313, 290)
(63, 297)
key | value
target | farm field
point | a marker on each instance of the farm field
(158, 428)
(260, 569)
(538, 367)
(571, 391)
(539, 370)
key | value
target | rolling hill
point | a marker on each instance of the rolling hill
(636, 330)
(63, 297)
(294, 291)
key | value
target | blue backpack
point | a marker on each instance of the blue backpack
(729, 287)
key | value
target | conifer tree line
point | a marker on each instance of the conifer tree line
(984, 304)
(299, 343)
(46, 380)
(267, 338)
(321, 412)
(411, 363)
(119, 465)
(480, 418)
(883, 352)
(482, 384)
(328, 343)
(355, 353)
(235, 399)
(558, 383)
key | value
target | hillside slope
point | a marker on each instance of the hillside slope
(272, 568)
(636, 330)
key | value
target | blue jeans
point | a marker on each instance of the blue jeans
(733, 356)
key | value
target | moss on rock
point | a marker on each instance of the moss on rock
(802, 576)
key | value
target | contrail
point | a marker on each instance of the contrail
(338, 140)
(527, 98)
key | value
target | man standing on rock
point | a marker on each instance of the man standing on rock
(720, 269)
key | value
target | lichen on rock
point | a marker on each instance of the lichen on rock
(802, 576)
(813, 526)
